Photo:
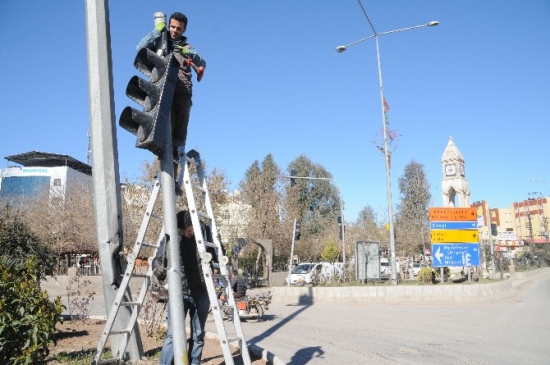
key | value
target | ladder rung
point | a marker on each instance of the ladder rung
(119, 332)
(156, 216)
(210, 244)
(204, 215)
(114, 360)
(234, 339)
(151, 245)
(134, 275)
(129, 304)
(198, 187)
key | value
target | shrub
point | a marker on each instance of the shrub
(425, 276)
(18, 243)
(27, 316)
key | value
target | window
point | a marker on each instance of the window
(27, 186)
(57, 182)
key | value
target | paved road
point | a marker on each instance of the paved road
(511, 331)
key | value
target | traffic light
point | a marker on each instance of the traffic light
(297, 232)
(342, 229)
(292, 180)
(494, 230)
(155, 96)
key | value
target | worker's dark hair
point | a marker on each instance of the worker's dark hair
(235, 272)
(180, 17)
(184, 219)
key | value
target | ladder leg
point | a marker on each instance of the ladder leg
(182, 161)
(233, 333)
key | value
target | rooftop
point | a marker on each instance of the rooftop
(44, 159)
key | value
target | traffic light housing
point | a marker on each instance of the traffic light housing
(297, 232)
(494, 229)
(155, 96)
(292, 180)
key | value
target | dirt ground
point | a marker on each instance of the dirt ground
(78, 340)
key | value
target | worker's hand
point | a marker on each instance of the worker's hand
(183, 50)
(160, 26)
(200, 73)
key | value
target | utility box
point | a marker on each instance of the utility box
(367, 260)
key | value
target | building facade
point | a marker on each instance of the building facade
(531, 220)
(42, 173)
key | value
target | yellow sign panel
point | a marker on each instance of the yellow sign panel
(452, 214)
(454, 235)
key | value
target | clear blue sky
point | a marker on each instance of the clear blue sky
(274, 84)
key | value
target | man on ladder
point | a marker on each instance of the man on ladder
(195, 294)
(171, 40)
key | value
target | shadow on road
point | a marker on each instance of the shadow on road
(302, 356)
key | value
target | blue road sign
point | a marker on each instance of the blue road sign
(455, 254)
(454, 225)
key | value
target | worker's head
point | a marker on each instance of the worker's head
(177, 25)
(235, 272)
(185, 225)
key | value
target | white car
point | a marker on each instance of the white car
(308, 273)
(305, 274)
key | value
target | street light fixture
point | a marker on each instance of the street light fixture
(341, 49)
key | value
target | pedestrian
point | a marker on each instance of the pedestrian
(196, 302)
(238, 285)
(183, 52)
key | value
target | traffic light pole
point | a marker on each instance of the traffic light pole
(106, 180)
(291, 253)
(171, 235)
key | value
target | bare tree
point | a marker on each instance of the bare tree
(412, 225)
(64, 220)
(261, 190)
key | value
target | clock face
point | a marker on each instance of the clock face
(450, 169)
(462, 172)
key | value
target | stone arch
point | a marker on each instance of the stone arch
(266, 246)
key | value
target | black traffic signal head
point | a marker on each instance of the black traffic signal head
(292, 180)
(155, 96)
(297, 232)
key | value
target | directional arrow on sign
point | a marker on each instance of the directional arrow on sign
(438, 255)
(454, 235)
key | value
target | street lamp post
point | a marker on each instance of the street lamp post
(341, 49)
(341, 208)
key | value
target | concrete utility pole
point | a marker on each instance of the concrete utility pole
(106, 179)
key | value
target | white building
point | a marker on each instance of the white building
(41, 172)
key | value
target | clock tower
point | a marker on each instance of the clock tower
(454, 186)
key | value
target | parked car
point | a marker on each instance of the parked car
(308, 273)
(385, 268)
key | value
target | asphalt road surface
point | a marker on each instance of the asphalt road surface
(515, 330)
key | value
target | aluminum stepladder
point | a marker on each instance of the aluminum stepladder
(121, 298)
(229, 332)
